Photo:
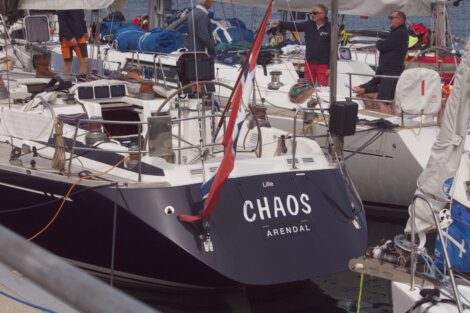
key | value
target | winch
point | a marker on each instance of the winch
(96, 134)
(275, 83)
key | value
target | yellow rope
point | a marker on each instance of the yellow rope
(419, 128)
(360, 294)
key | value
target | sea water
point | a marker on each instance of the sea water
(458, 16)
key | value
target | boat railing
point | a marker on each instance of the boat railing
(308, 117)
(415, 249)
(392, 102)
(62, 280)
(142, 140)
(350, 87)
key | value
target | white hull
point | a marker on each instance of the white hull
(403, 299)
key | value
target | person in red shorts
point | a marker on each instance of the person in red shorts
(317, 43)
(73, 36)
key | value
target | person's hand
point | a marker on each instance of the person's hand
(327, 72)
(73, 42)
(86, 35)
(359, 90)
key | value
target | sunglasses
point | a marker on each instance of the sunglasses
(315, 13)
(392, 17)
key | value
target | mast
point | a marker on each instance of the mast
(440, 11)
(157, 10)
(334, 49)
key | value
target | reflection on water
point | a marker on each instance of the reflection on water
(335, 293)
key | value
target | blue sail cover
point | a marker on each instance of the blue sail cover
(134, 38)
(126, 38)
(161, 40)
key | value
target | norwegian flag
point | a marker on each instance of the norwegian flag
(212, 189)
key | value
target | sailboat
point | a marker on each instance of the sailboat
(421, 281)
(386, 154)
(141, 191)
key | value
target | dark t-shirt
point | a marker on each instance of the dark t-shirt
(71, 24)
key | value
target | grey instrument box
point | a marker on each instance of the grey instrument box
(160, 141)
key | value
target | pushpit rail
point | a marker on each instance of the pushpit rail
(414, 248)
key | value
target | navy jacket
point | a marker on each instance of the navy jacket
(317, 41)
(71, 24)
(201, 34)
(393, 50)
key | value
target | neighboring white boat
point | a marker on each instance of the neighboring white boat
(424, 282)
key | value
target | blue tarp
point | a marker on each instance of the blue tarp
(161, 40)
(127, 38)
(107, 28)
(134, 38)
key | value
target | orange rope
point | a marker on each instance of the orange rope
(77, 182)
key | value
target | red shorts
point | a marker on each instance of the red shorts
(316, 73)
(80, 49)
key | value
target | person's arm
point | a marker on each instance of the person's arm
(295, 27)
(63, 26)
(203, 34)
(388, 43)
(371, 86)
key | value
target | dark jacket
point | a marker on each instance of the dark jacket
(393, 50)
(317, 41)
(201, 34)
(71, 24)
(9, 8)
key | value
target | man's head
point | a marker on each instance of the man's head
(396, 19)
(319, 13)
(206, 3)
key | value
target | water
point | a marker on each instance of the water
(336, 293)
(458, 16)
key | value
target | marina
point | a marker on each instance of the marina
(227, 183)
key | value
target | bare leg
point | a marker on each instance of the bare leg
(67, 67)
(369, 105)
(83, 66)
(385, 108)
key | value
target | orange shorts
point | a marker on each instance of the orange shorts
(80, 49)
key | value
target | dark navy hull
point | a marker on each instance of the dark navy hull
(267, 229)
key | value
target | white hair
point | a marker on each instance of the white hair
(201, 2)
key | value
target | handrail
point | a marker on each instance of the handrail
(140, 151)
(294, 134)
(448, 264)
(66, 282)
(373, 100)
